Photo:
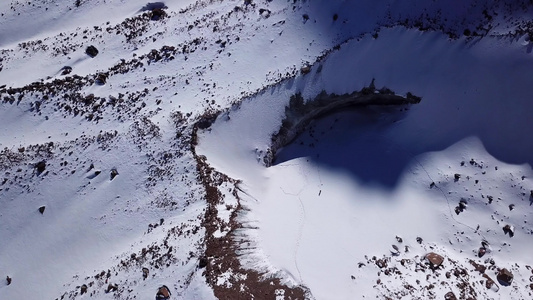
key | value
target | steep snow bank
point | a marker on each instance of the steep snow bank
(349, 185)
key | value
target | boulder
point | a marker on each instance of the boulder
(114, 173)
(482, 251)
(157, 14)
(434, 259)
(450, 296)
(83, 289)
(163, 293)
(202, 263)
(41, 209)
(41, 166)
(145, 273)
(305, 69)
(91, 51)
(508, 229)
(505, 277)
(66, 70)
(101, 79)
(111, 288)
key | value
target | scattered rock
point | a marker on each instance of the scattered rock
(114, 173)
(482, 251)
(508, 229)
(479, 267)
(145, 273)
(111, 288)
(41, 209)
(450, 296)
(265, 13)
(66, 70)
(381, 263)
(41, 166)
(8, 279)
(83, 289)
(163, 293)
(505, 277)
(101, 79)
(490, 284)
(461, 207)
(305, 69)
(434, 259)
(91, 51)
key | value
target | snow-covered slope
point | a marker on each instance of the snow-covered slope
(150, 154)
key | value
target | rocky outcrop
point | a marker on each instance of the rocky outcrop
(300, 113)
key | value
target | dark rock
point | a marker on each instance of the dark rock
(264, 12)
(381, 263)
(335, 17)
(8, 279)
(305, 69)
(419, 240)
(202, 263)
(450, 296)
(83, 289)
(41, 209)
(41, 166)
(457, 176)
(158, 14)
(482, 251)
(434, 259)
(111, 288)
(163, 293)
(461, 207)
(66, 70)
(114, 173)
(91, 51)
(101, 79)
(489, 283)
(508, 229)
(145, 273)
(505, 277)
